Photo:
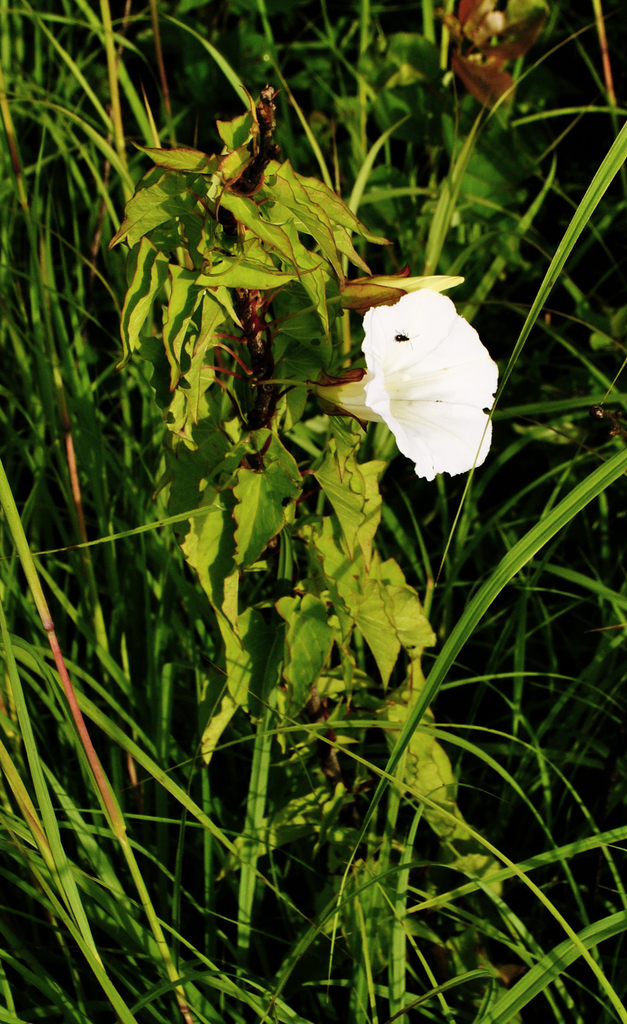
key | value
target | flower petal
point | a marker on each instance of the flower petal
(430, 378)
(441, 438)
(424, 317)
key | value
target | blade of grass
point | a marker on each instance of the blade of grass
(551, 966)
(447, 201)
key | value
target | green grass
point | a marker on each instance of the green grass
(142, 884)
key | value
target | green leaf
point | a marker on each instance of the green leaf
(372, 618)
(310, 217)
(264, 497)
(172, 195)
(181, 159)
(410, 621)
(148, 272)
(301, 318)
(216, 726)
(336, 209)
(344, 245)
(354, 495)
(209, 548)
(233, 164)
(314, 279)
(247, 213)
(411, 50)
(253, 666)
(240, 272)
(347, 435)
(185, 295)
(361, 596)
(347, 504)
(427, 769)
(237, 132)
(369, 472)
(199, 378)
(308, 645)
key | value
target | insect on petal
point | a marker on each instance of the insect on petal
(432, 389)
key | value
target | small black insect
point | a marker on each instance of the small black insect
(401, 337)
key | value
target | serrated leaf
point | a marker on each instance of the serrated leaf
(373, 622)
(341, 575)
(370, 473)
(151, 349)
(253, 666)
(337, 210)
(240, 272)
(148, 273)
(233, 164)
(314, 279)
(171, 196)
(247, 213)
(412, 625)
(216, 726)
(300, 817)
(308, 644)
(427, 767)
(185, 296)
(263, 498)
(178, 419)
(347, 435)
(309, 216)
(199, 377)
(181, 159)
(224, 297)
(212, 316)
(347, 505)
(237, 132)
(354, 495)
(344, 245)
(209, 548)
(192, 236)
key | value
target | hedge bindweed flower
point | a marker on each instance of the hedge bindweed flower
(429, 378)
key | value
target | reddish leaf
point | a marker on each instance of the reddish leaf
(363, 296)
(471, 13)
(486, 82)
(518, 38)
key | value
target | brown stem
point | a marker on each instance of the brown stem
(317, 712)
(252, 177)
(159, 53)
(249, 308)
(605, 53)
(115, 818)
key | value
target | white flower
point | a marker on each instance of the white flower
(429, 379)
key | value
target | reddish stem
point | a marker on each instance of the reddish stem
(221, 369)
(100, 777)
(236, 357)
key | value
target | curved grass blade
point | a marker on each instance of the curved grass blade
(551, 966)
(231, 76)
(598, 186)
